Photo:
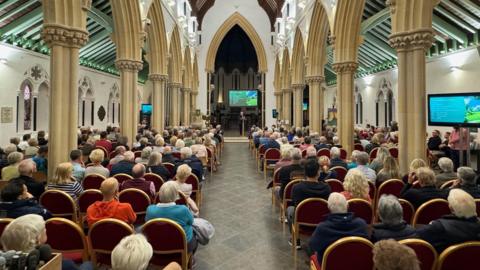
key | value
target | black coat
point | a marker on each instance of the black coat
(20, 208)
(418, 196)
(472, 190)
(334, 162)
(160, 171)
(399, 231)
(285, 175)
(35, 188)
(194, 163)
(307, 189)
(123, 166)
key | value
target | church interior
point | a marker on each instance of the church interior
(239, 134)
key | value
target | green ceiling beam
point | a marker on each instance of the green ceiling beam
(454, 19)
(6, 4)
(97, 37)
(101, 18)
(17, 10)
(375, 20)
(87, 50)
(34, 31)
(473, 8)
(466, 16)
(372, 47)
(449, 30)
(374, 52)
(381, 45)
(23, 22)
(96, 54)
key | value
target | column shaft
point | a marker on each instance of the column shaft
(186, 107)
(287, 105)
(298, 105)
(175, 108)
(158, 99)
(315, 103)
(419, 103)
(402, 109)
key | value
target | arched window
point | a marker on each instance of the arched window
(86, 102)
(359, 109)
(381, 118)
(25, 106)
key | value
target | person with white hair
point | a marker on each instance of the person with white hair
(392, 224)
(461, 226)
(467, 181)
(183, 172)
(192, 161)
(143, 159)
(322, 143)
(133, 252)
(335, 160)
(447, 173)
(362, 159)
(285, 157)
(26, 168)
(10, 148)
(24, 233)
(11, 171)
(124, 166)
(338, 224)
(155, 166)
(427, 190)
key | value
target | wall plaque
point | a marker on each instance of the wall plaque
(7, 114)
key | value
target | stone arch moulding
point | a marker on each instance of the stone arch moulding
(236, 19)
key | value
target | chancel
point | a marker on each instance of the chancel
(239, 134)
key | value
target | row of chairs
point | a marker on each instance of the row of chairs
(461, 256)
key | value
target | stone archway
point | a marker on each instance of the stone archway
(298, 77)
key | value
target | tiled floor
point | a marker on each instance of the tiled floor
(248, 233)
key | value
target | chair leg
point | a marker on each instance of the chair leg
(264, 170)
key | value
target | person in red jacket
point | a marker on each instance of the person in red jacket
(110, 207)
(103, 142)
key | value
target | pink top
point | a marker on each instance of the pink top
(349, 196)
(455, 142)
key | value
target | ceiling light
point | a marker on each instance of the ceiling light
(3, 60)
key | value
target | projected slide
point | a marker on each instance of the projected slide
(454, 109)
(243, 98)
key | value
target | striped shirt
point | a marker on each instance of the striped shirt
(73, 189)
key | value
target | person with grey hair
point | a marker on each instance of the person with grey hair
(11, 171)
(26, 168)
(447, 173)
(427, 190)
(124, 166)
(139, 182)
(10, 148)
(459, 227)
(362, 165)
(143, 159)
(467, 181)
(133, 252)
(338, 224)
(392, 224)
(286, 173)
(322, 143)
(335, 160)
(192, 161)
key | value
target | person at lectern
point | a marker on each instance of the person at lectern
(242, 120)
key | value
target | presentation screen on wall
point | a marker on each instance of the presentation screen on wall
(243, 98)
(454, 109)
(147, 108)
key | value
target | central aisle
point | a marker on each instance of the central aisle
(248, 232)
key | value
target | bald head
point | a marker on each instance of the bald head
(109, 188)
(27, 167)
(138, 171)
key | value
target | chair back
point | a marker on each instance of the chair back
(112, 154)
(358, 147)
(461, 256)
(431, 210)
(156, 179)
(341, 172)
(59, 203)
(392, 186)
(192, 179)
(343, 154)
(323, 152)
(168, 241)
(393, 152)
(3, 224)
(104, 236)
(137, 154)
(272, 154)
(335, 255)
(122, 177)
(408, 210)
(448, 184)
(92, 181)
(87, 198)
(311, 211)
(105, 152)
(287, 192)
(362, 209)
(335, 185)
(171, 168)
(261, 150)
(426, 254)
(373, 153)
(177, 155)
(304, 153)
(40, 177)
(477, 203)
(372, 191)
(59, 229)
(276, 178)
(138, 199)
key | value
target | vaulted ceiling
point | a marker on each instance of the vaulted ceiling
(273, 9)
(200, 8)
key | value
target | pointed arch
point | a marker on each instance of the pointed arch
(346, 30)
(176, 62)
(317, 41)
(298, 59)
(236, 19)
(187, 64)
(128, 34)
(157, 40)
(195, 80)
(286, 78)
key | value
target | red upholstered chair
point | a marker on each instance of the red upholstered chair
(308, 214)
(358, 147)
(304, 153)
(431, 210)
(477, 203)
(362, 209)
(121, 177)
(105, 152)
(287, 198)
(392, 186)
(343, 154)
(171, 168)
(271, 157)
(323, 152)
(138, 199)
(372, 191)
(210, 161)
(335, 185)
(168, 241)
(104, 236)
(3, 224)
(461, 256)
(112, 154)
(338, 255)
(341, 172)
(276, 183)
(448, 184)
(373, 153)
(137, 154)
(177, 155)
(156, 179)
(60, 204)
(260, 153)
(196, 195)
(87, 198)
(59, 230)
(408, 210)
(426, 254)
(393, 152)
(92, 181)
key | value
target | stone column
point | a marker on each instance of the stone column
(298, 104)
(175, 104)
(346, 102)
(287, 105)
(128, 97)
(278, 104)
(316, 101)
(193, 105)
(158, 100)
(411, 47)
(65, 43)
(186, 106)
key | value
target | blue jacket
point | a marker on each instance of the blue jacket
(194, 163)
(178, 213)
(20, 208)
(336, 226)
(271, 143)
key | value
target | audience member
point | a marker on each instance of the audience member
(168, 156)
(307, 143)
(139, 182)
(414, 165)
(286, 173)
(377, 163)
(183, 172)
(24, 143)
(447, 173)
(26, 168)
(389, 171)
(325, 171)
(374, 143)
(40, 159)
(11, 171)
(97, 157)
(41, 137)
(10, 148)
(426, 191)
(78, 166)
(391, 255)
(200, 151)
(435, 141)
(104, 142)
(322, 143)
(362, 166)
(391, 223)
(353, 162)
(119, 155)
(467, 181)
(144, 156)
(155, 166)
(124, 166)
(192, 161)
(17, 201)
(356, 186)
(63, 180)
(285, 159)
(272, 143)
(133, 252)
(335, 160)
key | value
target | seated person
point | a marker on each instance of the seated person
(96, 157)
(414, 165)
(362, 165)
(41, 159)
(306, 144)
(356, 186)
(310, 153)
(110, 207)
(323, 143)
(286, 173)
(155, 166)
(310, 188)
(377, 163)
(325, 171)
(11, 171)
(272, 142)
(285, 158)
(168, 156)
(459, 227)
(389, 171)
(119, 152)
(339, 223)
(192, 161)
(446, 174)
(335, 160)
(63, 180)
(427, 190)
(103, 142)
(200, 151)
(32, 148)
(374, 143)
(391, 223)
(183, 172)
(353, 162)
(467, 181)
(167, 208)
(16, 201)
(10, 148)
(124, 166)
(78, 166)
(391, 255)
(143, 159)
(26, 168)
(139, 182)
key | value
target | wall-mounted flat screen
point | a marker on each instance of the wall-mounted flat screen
(454, 109)
(305, 106)
(146, 108)
(243, 98)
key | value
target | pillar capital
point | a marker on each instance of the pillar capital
(298, 86)
(345, 67)
(315, 79)
(194, 92)
(419, 38)
(287, 90)
(127, 64)
(277, 93)
(186, 90)
(56, 34)
(158, 77)
(175, 85)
